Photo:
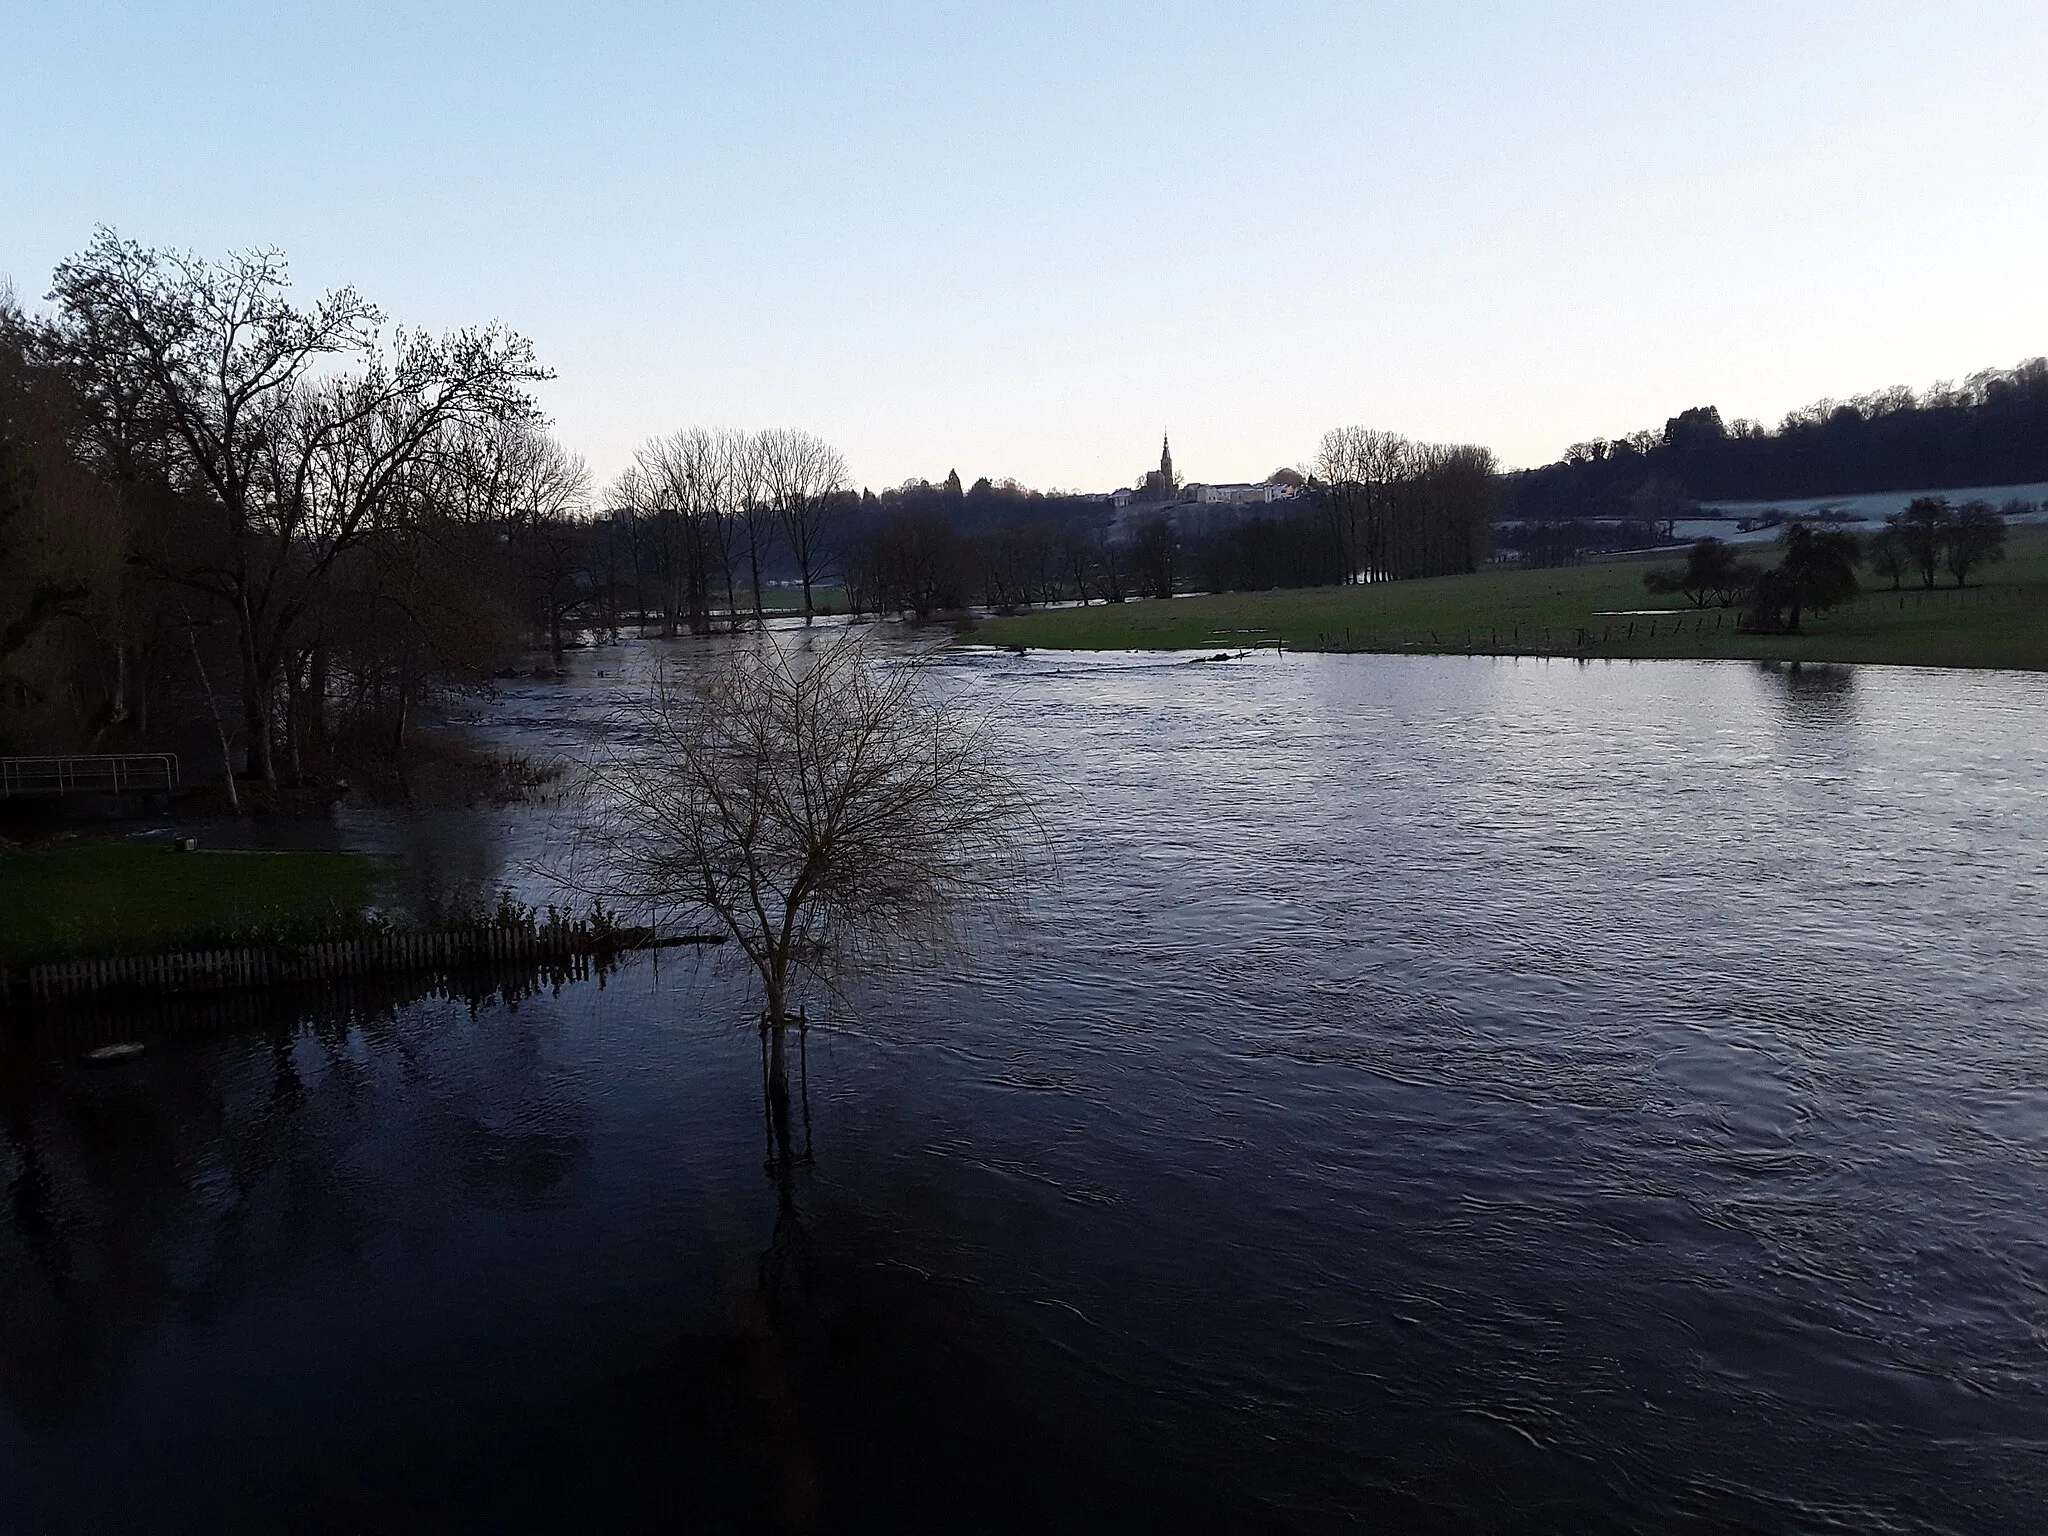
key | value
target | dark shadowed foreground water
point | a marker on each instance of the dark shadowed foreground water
(1442, 1095)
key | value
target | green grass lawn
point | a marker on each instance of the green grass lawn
(2000, 620)
(791, 599)
(89, 899)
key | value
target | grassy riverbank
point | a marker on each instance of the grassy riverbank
(2001, 620)
(111, 898)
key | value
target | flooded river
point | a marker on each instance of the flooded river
(1433, 1094)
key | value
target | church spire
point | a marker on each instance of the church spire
(1165, 461)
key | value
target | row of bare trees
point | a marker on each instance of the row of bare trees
(919, 561)
(1395, 508)
(710, 510)
(278, 518)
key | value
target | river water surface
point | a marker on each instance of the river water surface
(1435, 1094)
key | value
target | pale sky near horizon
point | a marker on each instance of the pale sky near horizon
(1021, 239)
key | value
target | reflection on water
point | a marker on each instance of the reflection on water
(1441, 1093)
(1814, 693)
(208, 1164)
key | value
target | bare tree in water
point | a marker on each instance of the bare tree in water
(823, 808)
(804, 479)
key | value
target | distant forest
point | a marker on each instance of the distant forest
(1990, 430)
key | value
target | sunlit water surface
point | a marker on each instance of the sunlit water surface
(1435, 1094)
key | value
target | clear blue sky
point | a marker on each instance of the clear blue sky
(1021, 238)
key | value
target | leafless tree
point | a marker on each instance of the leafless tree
(680, 486)
(757, 520)
(1395, 508)
(1112, 565)
(1442, 510)
(802, 478)
(1660, 501)
(207, 372)
(1155, 551)
(1978, 538)
(921, 562)
(821, 807)
(1355, 471)
(1077, 561)
(543, 491)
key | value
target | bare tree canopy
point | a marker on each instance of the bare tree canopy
(682, 487)
(819, 806)
(803, 478)
(1396, 508)
(509, 475)
(294, 434)
(710, 507)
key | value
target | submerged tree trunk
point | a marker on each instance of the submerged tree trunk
(775, 1023)
(754, 571)
(778, 1087)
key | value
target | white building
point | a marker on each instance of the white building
(1240, 495)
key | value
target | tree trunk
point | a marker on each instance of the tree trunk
(754, 573)
(404, 712)
(292, 731)
(260, 762)
(316, 695)
(778, 1086)
(123, 682)
(227, 756)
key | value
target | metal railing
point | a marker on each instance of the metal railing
(97, 773)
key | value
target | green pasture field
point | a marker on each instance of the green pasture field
(791, 599)
(1999, 620)
(72, 899)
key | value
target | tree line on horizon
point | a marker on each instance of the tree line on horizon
(1992, 429)
(1370, 506)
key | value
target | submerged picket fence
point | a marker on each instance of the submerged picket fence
(259, 965)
